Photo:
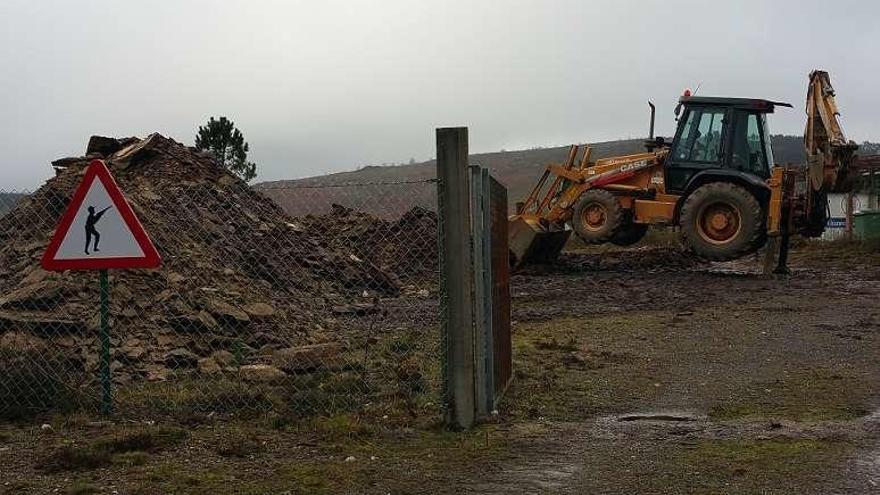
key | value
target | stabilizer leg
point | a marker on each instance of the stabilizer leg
(770, 255)
(784, 241)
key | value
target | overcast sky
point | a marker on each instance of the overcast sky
(324, 86)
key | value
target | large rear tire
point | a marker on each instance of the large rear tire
(597, 216)
(722, 221)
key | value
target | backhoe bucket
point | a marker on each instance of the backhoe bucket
(531, 243)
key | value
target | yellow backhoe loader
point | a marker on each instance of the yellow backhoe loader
(716, 181)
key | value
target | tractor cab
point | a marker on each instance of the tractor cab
(719, 136)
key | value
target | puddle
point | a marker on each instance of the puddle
(667, 417)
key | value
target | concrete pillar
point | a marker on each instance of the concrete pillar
(456, 274)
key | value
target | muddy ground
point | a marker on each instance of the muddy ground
(637, 371)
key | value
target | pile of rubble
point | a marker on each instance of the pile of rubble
(406, 248)
(240, 280)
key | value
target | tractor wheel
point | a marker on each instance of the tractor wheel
(597, 216)
(629, 234)
(722, 221)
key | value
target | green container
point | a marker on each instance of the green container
(867, 225)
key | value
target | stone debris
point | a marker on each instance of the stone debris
(309, 357)
(406, 247)
(241, 282)
(261, 373)
(223, 358)
(208, 366)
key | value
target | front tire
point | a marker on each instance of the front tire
(722, 221)
(597, 216)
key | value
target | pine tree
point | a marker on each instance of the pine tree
(227, 143)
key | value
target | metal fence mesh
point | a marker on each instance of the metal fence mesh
(297, 300)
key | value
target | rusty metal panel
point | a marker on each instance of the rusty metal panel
(503, 350)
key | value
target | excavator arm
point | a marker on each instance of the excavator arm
(829, 154)
(799, 194)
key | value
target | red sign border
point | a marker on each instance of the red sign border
(98, 170)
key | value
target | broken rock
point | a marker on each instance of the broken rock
(133, 350)
(39, 323)
(208, 366)
(309, 357)
(359, 309)
(260, 373)
(103, 145)
(259, 310)
(199, 322)
(227, 312)
(156, 373)
(39, 295)
(180, 358)
(21, 342)
(223, 358)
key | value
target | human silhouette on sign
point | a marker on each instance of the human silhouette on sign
(90, 227)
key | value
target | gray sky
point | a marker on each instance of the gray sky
(324, 86)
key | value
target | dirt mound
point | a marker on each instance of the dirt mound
(406, 247)
(238, 274)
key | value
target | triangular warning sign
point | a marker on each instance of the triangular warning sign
(99, 230)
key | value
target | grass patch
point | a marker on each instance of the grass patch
(189, 400)
(240, 446)
(745, 465)
(82, 488)
(551, 344)
(380, 453)
(152, 440)
(340, 427)
(307, 478)
(805, 395)
(794, 412)
(36, 382)
(127, 449)
(75, 458)
(840, 251)
(131, 459)
(565, 368)
(324, 393)
(774, 466)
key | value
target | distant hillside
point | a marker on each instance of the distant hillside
(518, 170)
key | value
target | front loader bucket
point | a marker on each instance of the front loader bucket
(531, 243)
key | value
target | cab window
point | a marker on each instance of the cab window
(749, 147)
(702, 136)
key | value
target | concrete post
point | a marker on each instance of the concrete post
(456, 273)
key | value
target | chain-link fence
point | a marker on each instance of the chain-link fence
(298, 300)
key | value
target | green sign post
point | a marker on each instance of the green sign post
(106, 380)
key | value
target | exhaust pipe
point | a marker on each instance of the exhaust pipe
(653, 112)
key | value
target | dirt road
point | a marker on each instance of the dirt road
(685, 377)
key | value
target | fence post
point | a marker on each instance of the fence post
(848, 213)
(456, 274)
(483, 351)
(489, 301)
